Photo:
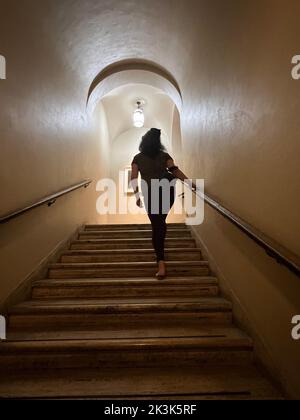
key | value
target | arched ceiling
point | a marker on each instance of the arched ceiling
(127, 65)
(119, 105)
(132, 76)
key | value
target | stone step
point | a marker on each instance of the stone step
(132, 227)
(102, 326)
(127, 234)
(132, 330)
(139, 288)
(134, 270)
(142, 243)
(119, 313)
(129, 255)
(212, 382)
(234, 346)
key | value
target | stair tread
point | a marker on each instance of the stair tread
(132, 231)
(123, 304)
(236, 341)
(134, 226)
(128, 255)
(126, 243)
(138, 233)
(138, 240)
(116, 282)
(131, 331)
(130, 224)
(197, 382)
(128, 264)
(128, 251)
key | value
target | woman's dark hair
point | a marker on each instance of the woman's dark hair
(151, 144)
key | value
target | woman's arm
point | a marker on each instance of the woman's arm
(178, 173)
(135, 183)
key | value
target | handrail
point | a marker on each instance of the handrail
(50, 200)
(282, 255)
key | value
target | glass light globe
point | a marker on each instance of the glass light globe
(138, 118)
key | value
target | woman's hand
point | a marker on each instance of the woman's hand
(139, 203)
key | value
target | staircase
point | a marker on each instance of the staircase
(100, 326)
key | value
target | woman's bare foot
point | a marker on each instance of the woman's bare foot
(162, 270)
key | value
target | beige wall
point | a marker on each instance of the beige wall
(241, 134)
(47, 143)
(242, 118)
(177, 152)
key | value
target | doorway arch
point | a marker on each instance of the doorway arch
(106, 99)
(133, 72)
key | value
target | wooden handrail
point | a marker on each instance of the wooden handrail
(282, 255)
(49, 201)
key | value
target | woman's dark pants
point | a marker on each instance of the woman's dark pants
(158, 221)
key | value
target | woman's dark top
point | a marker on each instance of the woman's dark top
(151, 168)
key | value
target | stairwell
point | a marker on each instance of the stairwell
(101, 326)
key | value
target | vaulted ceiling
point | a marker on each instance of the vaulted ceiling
(120, 104)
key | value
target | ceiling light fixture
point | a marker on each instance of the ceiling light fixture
(138, 116)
